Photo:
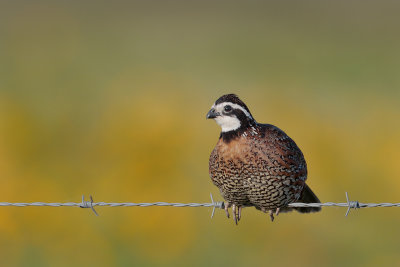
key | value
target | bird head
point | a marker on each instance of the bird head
(230, 113)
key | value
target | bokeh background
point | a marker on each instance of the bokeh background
(109, 99)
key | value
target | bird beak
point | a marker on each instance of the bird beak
(212, 114)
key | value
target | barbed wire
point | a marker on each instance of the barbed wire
(214, 204)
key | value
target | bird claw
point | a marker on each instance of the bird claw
(237, 213)
(235, 218)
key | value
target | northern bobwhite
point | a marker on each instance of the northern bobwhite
(256, 164)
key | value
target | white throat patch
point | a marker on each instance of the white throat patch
(228, 123)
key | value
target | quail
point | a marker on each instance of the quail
(256, 164)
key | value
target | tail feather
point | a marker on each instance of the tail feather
(308, 196)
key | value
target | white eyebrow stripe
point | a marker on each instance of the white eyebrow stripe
(234, 106)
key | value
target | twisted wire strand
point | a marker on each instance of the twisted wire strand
(332, 204)
(165, 204)
(110, 204)
(219, 204)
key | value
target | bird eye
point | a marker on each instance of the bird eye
(227, 108)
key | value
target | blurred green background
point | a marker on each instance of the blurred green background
(110, 99)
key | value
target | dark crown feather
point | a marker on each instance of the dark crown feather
(233, 99)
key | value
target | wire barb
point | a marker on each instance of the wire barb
(88, 204)
(218, 204)
(351, 204)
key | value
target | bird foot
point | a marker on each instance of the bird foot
(227, 206)
(271, 213)
(236, 211)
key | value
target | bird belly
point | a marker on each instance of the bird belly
(269, 192)
(245, 184)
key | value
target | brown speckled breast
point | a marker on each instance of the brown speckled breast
(262, 167)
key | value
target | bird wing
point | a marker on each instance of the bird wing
(283, 158)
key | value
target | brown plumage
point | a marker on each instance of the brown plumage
(256, 164)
